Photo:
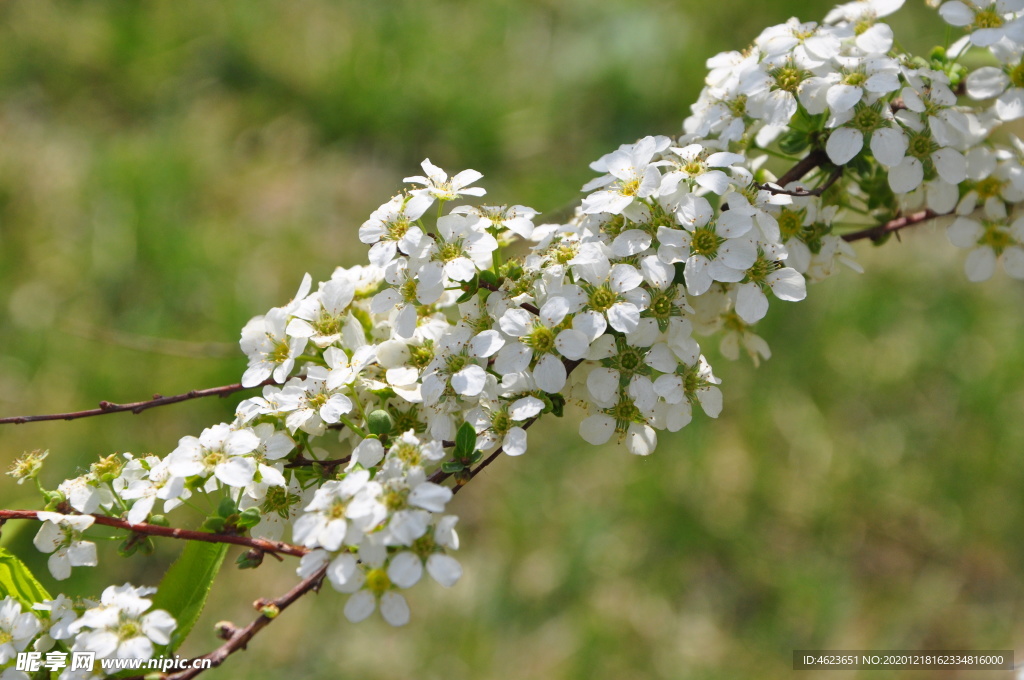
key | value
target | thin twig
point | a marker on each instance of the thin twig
(302, 461)
(894, 225)
(813, 160)
(264, 545)
(135, 407)
(800, 191)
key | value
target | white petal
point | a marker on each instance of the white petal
(950, 165)
(641, 439)
(889, 146)
(906, 176)
(572, 344)
(405, 569)
(751, 302)
(986, 82)
(843, 144)
(788, 284)
(549, 374)
(597, 429)
(237, 472)
(842, 98)
(359, 606)
(1013, 262)
(394, 608)
(470, 381)
(444, 569)
(603, 384)
(980, 264)
(964, 233)
(514, 443)
(956, 13)
(624, 317)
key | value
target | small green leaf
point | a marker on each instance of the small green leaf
(19, 582)
(186, 585)
(451, 467)
(226, 507)
(465, 440)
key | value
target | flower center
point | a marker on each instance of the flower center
(921, 146)
(866, 118)
(541, 339)
(988, 187)
(602, 299)
(280, 353)
(630, 188)
(1017, 75)
(327, 324)
(500, 422)
(788, 78)
(214, 458)
(705, 242)
(790, 223)
(988, 18)
(377, 581)
(856, 79)
(996, 237)
(129, 629)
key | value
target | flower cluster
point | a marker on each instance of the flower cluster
(389, 385)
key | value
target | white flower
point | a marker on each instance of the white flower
(321, 316)
(312, 403)
(988, 22)
(539, 338)
(437, 185)
(631, 175)
(463, 247)
(422, 287)
(17, 629)
(218, 451)
(62, 536)
(158, 483)
(339, 511)
(991, 240)
(118, 628)
(391, 228)
(785, 282)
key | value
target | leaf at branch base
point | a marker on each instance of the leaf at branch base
(19, 582)
(186, 585)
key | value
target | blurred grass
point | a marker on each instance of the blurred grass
(169, 170)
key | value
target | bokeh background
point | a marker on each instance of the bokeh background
(170, 169)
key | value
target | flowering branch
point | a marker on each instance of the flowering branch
(135, 407)
(272, 547)
(239, 638)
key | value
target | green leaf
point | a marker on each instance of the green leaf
(186, 585)
(19, 582)
(465, 440)
(452, 466)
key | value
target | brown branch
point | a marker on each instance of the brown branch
(302, 461)
(261, 544)
(893, 225)
(813, 160)
(135, 407)
(800, 191)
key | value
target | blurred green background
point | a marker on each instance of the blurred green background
(170, 169)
